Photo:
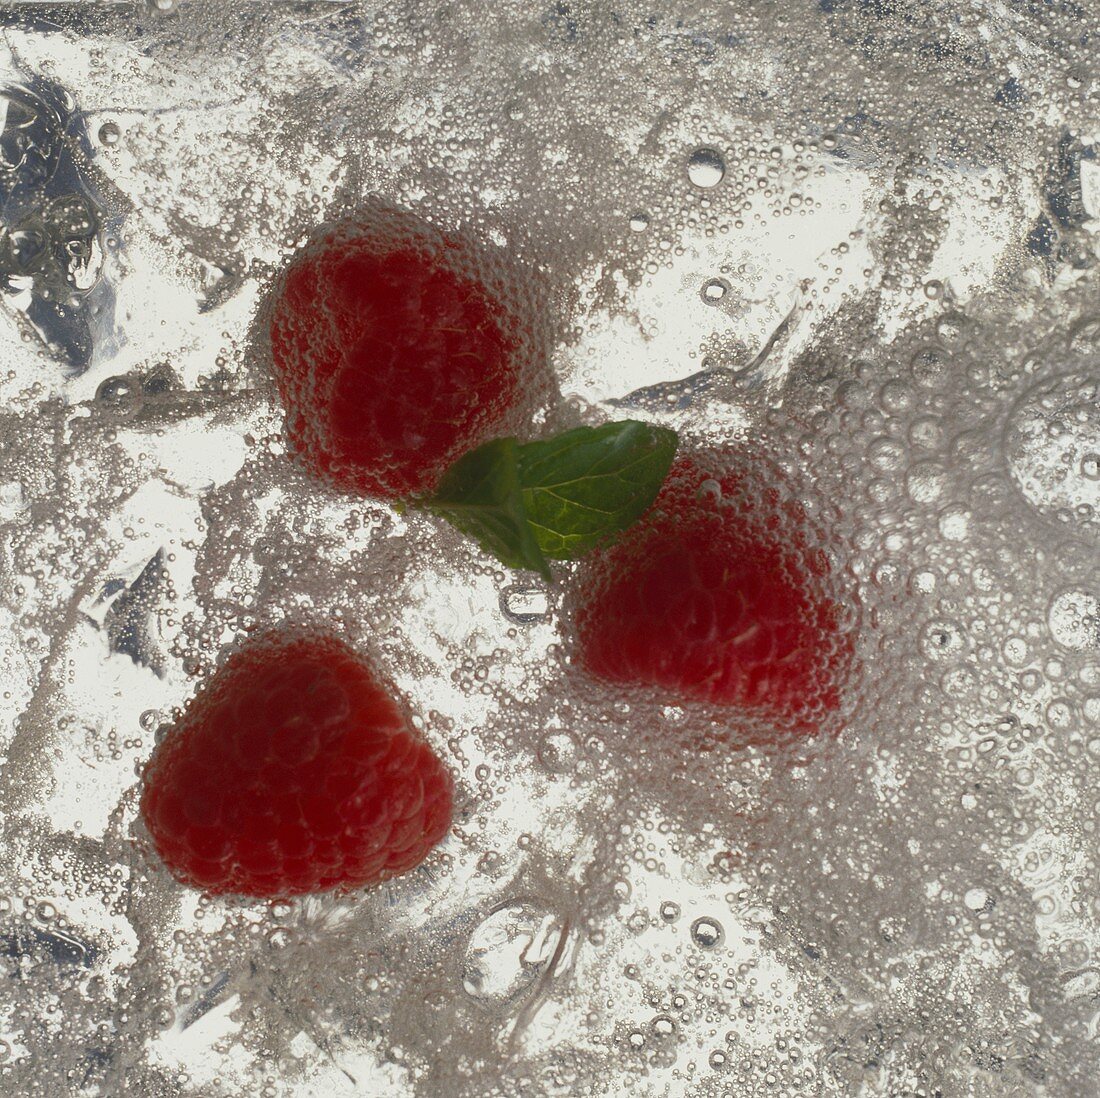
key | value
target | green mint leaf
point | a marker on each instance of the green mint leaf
(480, 495)
(558, 498)
(586, 485)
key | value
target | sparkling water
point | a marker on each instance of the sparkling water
(859, 235)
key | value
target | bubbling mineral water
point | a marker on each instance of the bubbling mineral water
(858, 238)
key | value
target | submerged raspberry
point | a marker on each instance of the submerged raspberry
(717, 597)
(293, 771)
(390, 362)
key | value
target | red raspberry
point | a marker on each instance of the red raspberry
(715, 596)
(293, 771)
(391, 358)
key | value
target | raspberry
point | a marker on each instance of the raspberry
(391, 357)
(715, 596)
(293, 771)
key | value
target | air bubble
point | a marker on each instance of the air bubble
(954, 523)
(707, 933)
(524, 604)
(925, 481)
(714, 290)
(639, 222)
(710, 491)
(706, 168)
(508, 951)
(1074, 620)
(558, 752)
(119, 395)
(926, 431)
(109, 134)
(941, 640)
(930, 366)
(886, 455)
(951, 327)
(663, 1025)
(976, 899)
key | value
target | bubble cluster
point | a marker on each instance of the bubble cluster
(1050, 444)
